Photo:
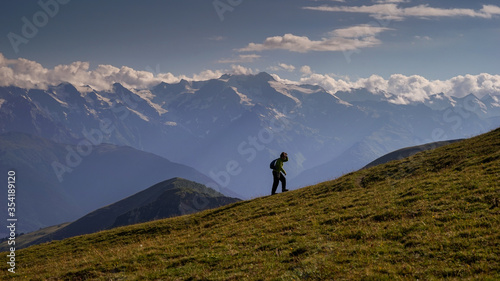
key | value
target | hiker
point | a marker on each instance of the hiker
(278, 172)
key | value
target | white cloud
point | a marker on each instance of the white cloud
(32, 75)
(386, 11)
(478, 85)
(374, 84)
(390, 1)
(217, 38)
(344, 39)
(283, 80)
(306, 69)
(391, 10)
(426, 11)
(29, 74)
(403, 89)
(241, 59)
(202, 76)
(287, 67)
(399, 88)
(424, 38)
(415, 88)
(241, 70)
(491, 10)
(326, 81)
(340, 1)
(283, 66)
(363, 30)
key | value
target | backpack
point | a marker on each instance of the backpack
(273, 164)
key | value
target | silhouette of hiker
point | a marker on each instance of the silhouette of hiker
(278, 175)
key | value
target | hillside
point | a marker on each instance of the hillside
(170, 198)
(180, 197)
(407, 152)
(24, 240)
(434, 215)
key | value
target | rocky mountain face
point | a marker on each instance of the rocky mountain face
(232, 127)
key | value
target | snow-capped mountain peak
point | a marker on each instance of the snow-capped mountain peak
(228, 127)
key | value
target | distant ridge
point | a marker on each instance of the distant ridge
(407, 152)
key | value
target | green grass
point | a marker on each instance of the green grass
(432, 216)
(26, 239)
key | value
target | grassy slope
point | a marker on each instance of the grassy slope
(407, 152)
(26, 239)
(431, 216)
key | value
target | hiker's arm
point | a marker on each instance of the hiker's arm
(285, 160)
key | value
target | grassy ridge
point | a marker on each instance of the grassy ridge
(431, 216)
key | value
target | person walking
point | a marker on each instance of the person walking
(279, 173)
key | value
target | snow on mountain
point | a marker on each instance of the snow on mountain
(148, 96)
(492, 103)
(360, 95)
(471, 103)
(284, 89)
(230, 127)
(56, 98)
(243, 98)
(439, 101)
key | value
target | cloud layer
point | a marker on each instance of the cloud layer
(241, 59)
(401, 89)
(345, 39)
(390, 10)
(32, 75)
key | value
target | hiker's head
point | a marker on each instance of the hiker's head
(283, 155)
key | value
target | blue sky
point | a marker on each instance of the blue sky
(340, 38)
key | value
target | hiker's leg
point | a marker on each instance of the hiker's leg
(283, 182)
(276, 180)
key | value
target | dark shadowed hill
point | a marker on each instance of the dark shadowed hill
(407, 152)
(178, 197)
(169, 198)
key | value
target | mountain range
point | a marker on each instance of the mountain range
(230, 128)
